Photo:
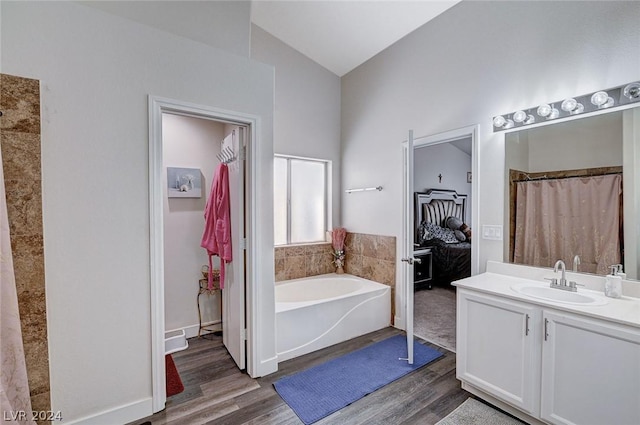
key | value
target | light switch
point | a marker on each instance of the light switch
(492, 232)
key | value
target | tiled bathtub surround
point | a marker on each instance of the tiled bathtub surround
(296, 261)
(372, 257)
(20, 143)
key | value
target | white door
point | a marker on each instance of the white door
(233, 294)
(407, 252)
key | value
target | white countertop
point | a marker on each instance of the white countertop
(625, 310)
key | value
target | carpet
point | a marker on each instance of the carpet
(434, 316)
(174, 383)
(324, 389)
(474, 412)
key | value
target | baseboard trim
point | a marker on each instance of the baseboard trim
(398, 322)
(118, 415)
(192, 330)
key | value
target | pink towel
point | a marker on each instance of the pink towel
(216, 238)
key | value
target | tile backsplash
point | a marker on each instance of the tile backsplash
(296, 261)
(372, 257)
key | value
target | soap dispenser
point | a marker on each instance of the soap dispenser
(621, 272)
(613, 283)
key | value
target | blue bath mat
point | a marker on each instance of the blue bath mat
(321, 390)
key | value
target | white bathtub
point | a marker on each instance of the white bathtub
(319, 311)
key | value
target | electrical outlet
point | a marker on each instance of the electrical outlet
(492, 232)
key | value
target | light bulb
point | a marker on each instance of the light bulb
(544, 110)
(530, 120)
(578, 109)
(569, 104)
(499, 121)
(519, 116)
(599, 98)
(632, 91)
(553, 114)
(508, 124)
(608, 103)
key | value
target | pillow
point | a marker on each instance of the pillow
(433, 231)
(460, 236)
(454, 223)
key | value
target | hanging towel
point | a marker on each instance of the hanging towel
(216, 238)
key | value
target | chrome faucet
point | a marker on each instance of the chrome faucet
(576, 263)
(563, 284)
(563, 278)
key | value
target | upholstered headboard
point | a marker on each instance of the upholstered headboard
(435, 205)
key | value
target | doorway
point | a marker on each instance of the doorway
(444, 164)
(174, 207)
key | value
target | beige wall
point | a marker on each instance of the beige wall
(20, 141)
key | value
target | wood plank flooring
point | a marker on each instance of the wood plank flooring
(216, 392)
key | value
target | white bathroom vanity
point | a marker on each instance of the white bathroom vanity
(547, 357)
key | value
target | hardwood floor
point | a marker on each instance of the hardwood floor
(216, 392)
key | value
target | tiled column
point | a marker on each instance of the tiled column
(20, 143)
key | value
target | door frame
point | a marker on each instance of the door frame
(158, 106)
(471, 131)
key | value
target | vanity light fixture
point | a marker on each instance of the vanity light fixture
(502, 122)
(572, 106)
(602, 99)
(616, 97)
(632, 91)
(544, 110)
(523, 117)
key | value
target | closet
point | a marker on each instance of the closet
(193, 148)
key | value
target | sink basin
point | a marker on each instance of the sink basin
(558, 295)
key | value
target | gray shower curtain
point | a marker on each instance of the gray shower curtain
(557, 219)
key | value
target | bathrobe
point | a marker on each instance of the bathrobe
(216, 238)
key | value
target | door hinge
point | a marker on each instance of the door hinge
(243, 153)
(243, 243)
(243, 334)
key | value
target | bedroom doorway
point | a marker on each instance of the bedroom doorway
(444, 167)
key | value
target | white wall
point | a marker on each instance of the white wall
(222, 24)
(446, 160)
(307, 106)
(96, 73)
(190, 143)
(475, 61)
(585, 143)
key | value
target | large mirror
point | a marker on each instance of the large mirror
(572, 189)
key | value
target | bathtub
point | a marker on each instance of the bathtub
(319, 311)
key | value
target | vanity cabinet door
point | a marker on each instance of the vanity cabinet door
(590, 371)
(498, 343)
